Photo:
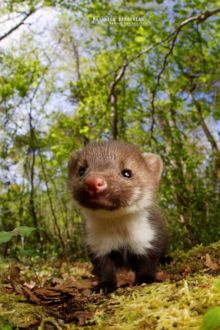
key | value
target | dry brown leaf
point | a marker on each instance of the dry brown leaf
(67, 301)
(209, 263)
(187, 270)
(82, 317)
(162, 276)
(125, 278)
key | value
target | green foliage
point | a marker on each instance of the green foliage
(211, 320)
(23, 231)
(5, 325)
(5, 236)
(218, 286)
(19, 75)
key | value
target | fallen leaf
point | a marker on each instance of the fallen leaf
(187, 270)
(67, 301)
(82, 317)
(209, 263)
(125, 278)
(162, 276)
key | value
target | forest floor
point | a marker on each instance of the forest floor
(57, 295)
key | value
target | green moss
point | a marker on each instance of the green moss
(179, 305)
(194, 258)
(17, 312)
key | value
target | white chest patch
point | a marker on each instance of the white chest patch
(105, 233)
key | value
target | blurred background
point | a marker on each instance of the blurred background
(71, 72)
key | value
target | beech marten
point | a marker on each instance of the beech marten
(114, 185)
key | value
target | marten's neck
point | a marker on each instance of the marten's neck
(131, 231)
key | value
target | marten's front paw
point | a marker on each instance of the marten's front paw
(145, 278)
(105, 287)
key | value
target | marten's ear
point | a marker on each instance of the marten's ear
(72, 163)
(154, 163)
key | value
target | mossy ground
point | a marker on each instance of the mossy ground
(188, 290)
(160, 306)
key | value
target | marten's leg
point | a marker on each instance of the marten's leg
(144, 266)
(105, 270)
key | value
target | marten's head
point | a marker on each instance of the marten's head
(114, 175)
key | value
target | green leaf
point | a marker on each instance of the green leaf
(23, 230)
(5, 236)
(211, 319)
(140, 39)
(84, 130)
(4, 325)
(218, 286)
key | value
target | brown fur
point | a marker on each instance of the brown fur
(107, 160)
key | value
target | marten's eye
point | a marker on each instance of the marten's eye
(81, 170)
(126, 173)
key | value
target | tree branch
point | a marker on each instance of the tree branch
(113, 98)
(173, 36)
(52, 209)
(205, 128)
(6, 34)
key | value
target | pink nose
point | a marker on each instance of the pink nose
(95, 184)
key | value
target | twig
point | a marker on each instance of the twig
(173, 36)
(5, 35)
